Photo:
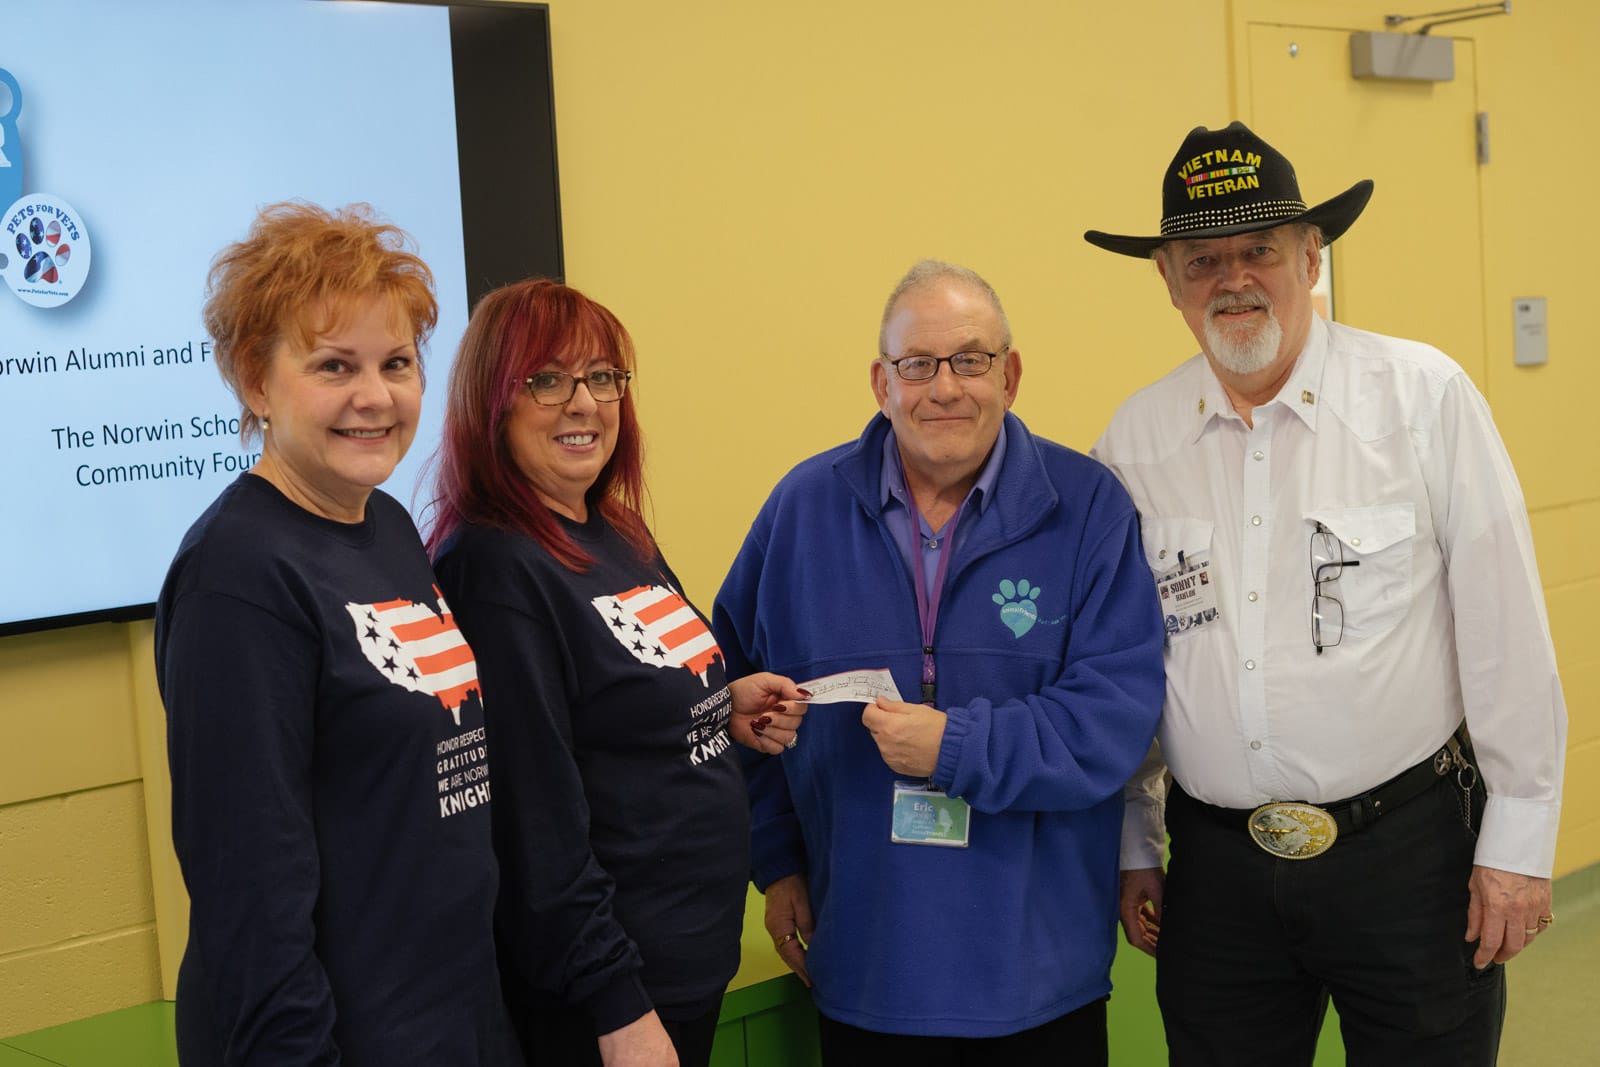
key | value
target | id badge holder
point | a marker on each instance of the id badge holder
(926, 816)
(1187, 596)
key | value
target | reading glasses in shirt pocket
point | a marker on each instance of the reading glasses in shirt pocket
(1375, 595)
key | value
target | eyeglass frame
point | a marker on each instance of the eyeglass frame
(937, 360)
(1318, 581)
(623, 378)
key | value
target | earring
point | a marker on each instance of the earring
(266, 424)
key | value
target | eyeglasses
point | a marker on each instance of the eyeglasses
(1327, 611)
(554, 388)
(921, 368)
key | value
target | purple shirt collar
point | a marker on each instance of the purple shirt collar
(892, 479)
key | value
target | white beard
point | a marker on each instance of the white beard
(1247, 354)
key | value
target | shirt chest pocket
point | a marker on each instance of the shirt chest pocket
(1376, 592)
(1174, 544)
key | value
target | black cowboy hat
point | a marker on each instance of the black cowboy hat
(1229, 181)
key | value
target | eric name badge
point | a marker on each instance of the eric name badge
(924, 816)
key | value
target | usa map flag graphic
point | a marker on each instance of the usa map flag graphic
(418, 650)
(659, 627)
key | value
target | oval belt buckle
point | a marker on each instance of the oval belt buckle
(1292, 831)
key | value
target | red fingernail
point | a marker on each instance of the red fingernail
(759, 726)
(806, 693)
(780, 709)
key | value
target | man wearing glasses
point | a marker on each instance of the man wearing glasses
(1370, 595)
(941, 869)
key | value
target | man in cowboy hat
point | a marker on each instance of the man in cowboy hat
(1343, 557)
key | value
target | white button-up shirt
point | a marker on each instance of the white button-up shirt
(1387, 444)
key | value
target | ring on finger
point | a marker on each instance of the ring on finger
(1530, 930)
(793, 741)
(785, 939)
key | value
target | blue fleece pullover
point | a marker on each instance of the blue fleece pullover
(1049, 657)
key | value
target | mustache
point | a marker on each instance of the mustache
(1238, 302)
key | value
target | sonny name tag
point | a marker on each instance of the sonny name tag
(1189, 596)
(924, 816)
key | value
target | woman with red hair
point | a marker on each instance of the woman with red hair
(620, 817)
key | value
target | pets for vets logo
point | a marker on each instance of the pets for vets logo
(46, 252)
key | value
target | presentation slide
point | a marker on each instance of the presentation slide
(136, 139)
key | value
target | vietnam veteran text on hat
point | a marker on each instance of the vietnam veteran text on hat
(1229, 181)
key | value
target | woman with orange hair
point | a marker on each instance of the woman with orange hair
(325, 729)
(620, 816)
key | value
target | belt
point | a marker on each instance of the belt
(1298, 830)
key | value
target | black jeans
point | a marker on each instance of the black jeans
(1252, 946)
(1076, 1039)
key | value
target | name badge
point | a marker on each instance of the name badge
(1188, 599)
(924, 816)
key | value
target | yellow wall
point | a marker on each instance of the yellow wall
(1541, 84)
(77, 915)
(743, 182)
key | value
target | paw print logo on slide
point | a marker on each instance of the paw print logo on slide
(53, 251)
(43, 251)
(1017, 608)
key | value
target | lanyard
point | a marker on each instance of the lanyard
(928, 599)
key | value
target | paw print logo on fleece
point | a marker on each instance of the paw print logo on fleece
(1018, 609)
(1019, 606)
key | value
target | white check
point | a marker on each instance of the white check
(852, 687)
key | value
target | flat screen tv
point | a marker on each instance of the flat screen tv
(136, 139)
